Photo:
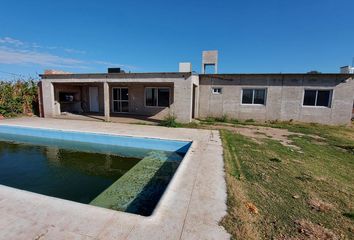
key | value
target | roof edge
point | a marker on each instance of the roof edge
(117, 75)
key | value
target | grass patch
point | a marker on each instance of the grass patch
(169, 121)
(291, 193)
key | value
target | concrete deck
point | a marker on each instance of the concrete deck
(191, 207)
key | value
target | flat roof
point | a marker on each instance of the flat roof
(178, 75)
(276, 74)
(117, 75)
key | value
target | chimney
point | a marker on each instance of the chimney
(185, 67)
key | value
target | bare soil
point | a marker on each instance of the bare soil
(257, 133)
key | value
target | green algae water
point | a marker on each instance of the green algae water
(119, 178)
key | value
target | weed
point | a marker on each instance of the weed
(169, 121)
(250, 120)
(224, 118)
(210, 120)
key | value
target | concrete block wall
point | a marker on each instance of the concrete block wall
(181, 93)
(284, 100)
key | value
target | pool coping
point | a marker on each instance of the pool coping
(184, 209)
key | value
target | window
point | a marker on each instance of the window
(120, 99)
(157, 97)
(254, 96)
(320, 98)
(216, 90)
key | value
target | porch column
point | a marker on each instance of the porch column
(106, 101)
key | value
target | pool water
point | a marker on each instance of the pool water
(115, 176)
(59, 172)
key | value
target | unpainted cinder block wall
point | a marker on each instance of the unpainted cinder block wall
(284, 97)
(181, 94)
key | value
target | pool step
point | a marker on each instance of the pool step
(139, 190)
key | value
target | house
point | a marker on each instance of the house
(309, 97)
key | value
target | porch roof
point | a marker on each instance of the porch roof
(116, 75)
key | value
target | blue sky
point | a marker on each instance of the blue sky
(143, 36)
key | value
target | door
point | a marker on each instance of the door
(93, 93)
(120, 100)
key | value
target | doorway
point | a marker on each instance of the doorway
(93, 93)
(120, 99)
(194, 101)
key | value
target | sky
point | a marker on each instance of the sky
(251, 36)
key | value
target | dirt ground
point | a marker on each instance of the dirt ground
(257, 133)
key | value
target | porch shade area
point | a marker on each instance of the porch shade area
(107, 99)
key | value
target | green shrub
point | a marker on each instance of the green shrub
(18, 97)
(169, 121)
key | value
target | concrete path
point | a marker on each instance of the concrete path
(190, 208)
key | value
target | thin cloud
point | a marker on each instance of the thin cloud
(8, 41)
(14, 51)
(70, 50)
(13, 56)
(12, 41)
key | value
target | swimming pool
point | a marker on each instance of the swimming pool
(117, 172)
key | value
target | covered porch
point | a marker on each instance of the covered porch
(128, 102)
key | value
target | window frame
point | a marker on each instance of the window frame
(157, 97)
(119, 100)
(216, 93)
(318, 89)
(253, 91)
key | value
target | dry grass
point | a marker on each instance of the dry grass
(278, 192)
(314, 231)
(239, 221)
(319, 205)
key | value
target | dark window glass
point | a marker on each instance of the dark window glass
(124, 94)
(164, 97)
(259, 96)
(247, 96)
(115, 94)
(310, 98)
(125, 107)
(323, 98)
(151, 97)
(116, 107)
